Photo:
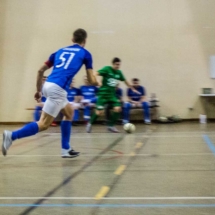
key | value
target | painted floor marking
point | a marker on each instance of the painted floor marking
(138, 145)
(120, 170)
(103, 192)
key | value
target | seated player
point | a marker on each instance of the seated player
(136, 100)
(73, 96)
(89, 98)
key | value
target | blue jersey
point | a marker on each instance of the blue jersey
(119, 93)
(88, 92)
(66, 63)
(134, 96)
(72, 93)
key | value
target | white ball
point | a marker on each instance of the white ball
(129, 127)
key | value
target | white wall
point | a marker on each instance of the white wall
(166, 43)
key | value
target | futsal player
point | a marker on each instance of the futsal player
(137, 100)
(66, 63)
(88, 100)
(107, 94)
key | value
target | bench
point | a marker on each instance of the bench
(136, 112)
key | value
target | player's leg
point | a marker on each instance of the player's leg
(87, 112)
(93, 119)
(98, 112)
(145, 106)
(76, 115)
(67, 151)
(75, 107)
(115, 114)
(87, 108)
(126, 112)
(37, 111)
(26, 131)
(107, 110)
(56, 100)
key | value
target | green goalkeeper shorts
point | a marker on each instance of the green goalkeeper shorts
(102, 101)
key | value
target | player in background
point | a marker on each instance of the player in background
(137, 100)
(66, 63)
(88, 100)
(73, 97)
(107, 94)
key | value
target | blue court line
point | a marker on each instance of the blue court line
(209, 143)
(114, 205)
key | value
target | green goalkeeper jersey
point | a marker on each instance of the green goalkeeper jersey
(110, 81)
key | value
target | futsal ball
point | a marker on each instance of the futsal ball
(129, 127)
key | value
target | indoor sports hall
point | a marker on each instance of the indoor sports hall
(157, 164)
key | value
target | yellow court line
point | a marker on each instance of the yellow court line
(120, 170)
(138, 145)
(102, 192)
(132, 154)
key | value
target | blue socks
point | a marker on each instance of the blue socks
(87, 113)
(37, 113)
(76, 115)
(26, 131)
(65, 134)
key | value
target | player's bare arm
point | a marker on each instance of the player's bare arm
(39, 84)
(98, 79)
(132, 88)
(91, 77)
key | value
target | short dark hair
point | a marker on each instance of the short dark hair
(116, 60)
(135, 79)
(79, 36)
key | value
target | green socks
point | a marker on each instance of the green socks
(114, 117)
(93, 118)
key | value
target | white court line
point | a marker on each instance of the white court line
(109, 198)
(121, 155)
